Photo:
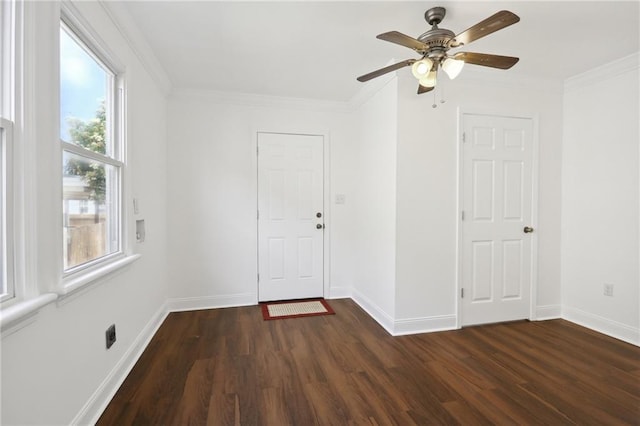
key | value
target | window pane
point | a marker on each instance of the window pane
(90, 193)
(84, 97)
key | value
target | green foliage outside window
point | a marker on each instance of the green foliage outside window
(91, 135)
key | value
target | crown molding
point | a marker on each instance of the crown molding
(366, 92)
(255, 100)
(604, 72)
(127, 27)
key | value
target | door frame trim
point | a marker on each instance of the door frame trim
(533, 288)
(326, 198)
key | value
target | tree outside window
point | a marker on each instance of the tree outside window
(90, 135)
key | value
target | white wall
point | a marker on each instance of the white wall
(56, 368)
(212, 195)
(213, 192)
(600, 185)
(427, 190)
(374, 204)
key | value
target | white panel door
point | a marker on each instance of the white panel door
(497, 206)
(290, 216)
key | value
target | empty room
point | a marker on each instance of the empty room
(319, 212)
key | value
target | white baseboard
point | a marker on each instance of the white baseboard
(547, 312)
(212, 302)
(404, 326)
(97, 403)
(407, 326)
(603, 325)
(340, 293)
(373, 310)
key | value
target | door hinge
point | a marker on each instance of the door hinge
(462, 293)
(257, 150)
(258, 215)
(464, 137)
(462, 215)
(258, 277)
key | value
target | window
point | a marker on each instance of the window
(6, 246)
(92, 165)
(7, 60)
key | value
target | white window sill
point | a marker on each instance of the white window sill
(16, 316)
(22, 313)
(75, 283)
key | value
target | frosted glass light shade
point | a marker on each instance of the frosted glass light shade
(429, 80)
(452, 67)
(421, 68)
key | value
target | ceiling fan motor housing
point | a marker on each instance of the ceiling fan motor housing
(437, 41)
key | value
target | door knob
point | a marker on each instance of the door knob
(318, 214)
(319, 226)
(528, 229)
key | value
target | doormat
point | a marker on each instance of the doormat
(295, 309)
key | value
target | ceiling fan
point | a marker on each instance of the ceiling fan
(434, 46)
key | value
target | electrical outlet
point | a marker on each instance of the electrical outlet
(608, 289)
(111, 335)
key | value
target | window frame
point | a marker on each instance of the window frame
(8, 287)
(8, 43)
(78, 275)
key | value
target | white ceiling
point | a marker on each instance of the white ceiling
(316, 50)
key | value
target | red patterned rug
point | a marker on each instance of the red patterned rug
(295, 309)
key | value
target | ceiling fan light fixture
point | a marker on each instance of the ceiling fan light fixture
(421, 68)
(429, 80)
(452, 67)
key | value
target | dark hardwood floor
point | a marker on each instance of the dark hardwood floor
(229, 367)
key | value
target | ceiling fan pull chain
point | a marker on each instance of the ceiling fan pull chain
(439, 88)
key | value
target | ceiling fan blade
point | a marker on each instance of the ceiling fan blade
(403, 40)
(496, 22)
(487, 60)
(381, 71)
(422, 89)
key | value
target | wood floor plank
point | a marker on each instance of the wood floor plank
(385, 410)
(572, 404)
(423, 402)
(328, 408)
(273, 407)
(194, 404)
(521, 407)
(466, 414)
(224, 410)
(230, 367)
